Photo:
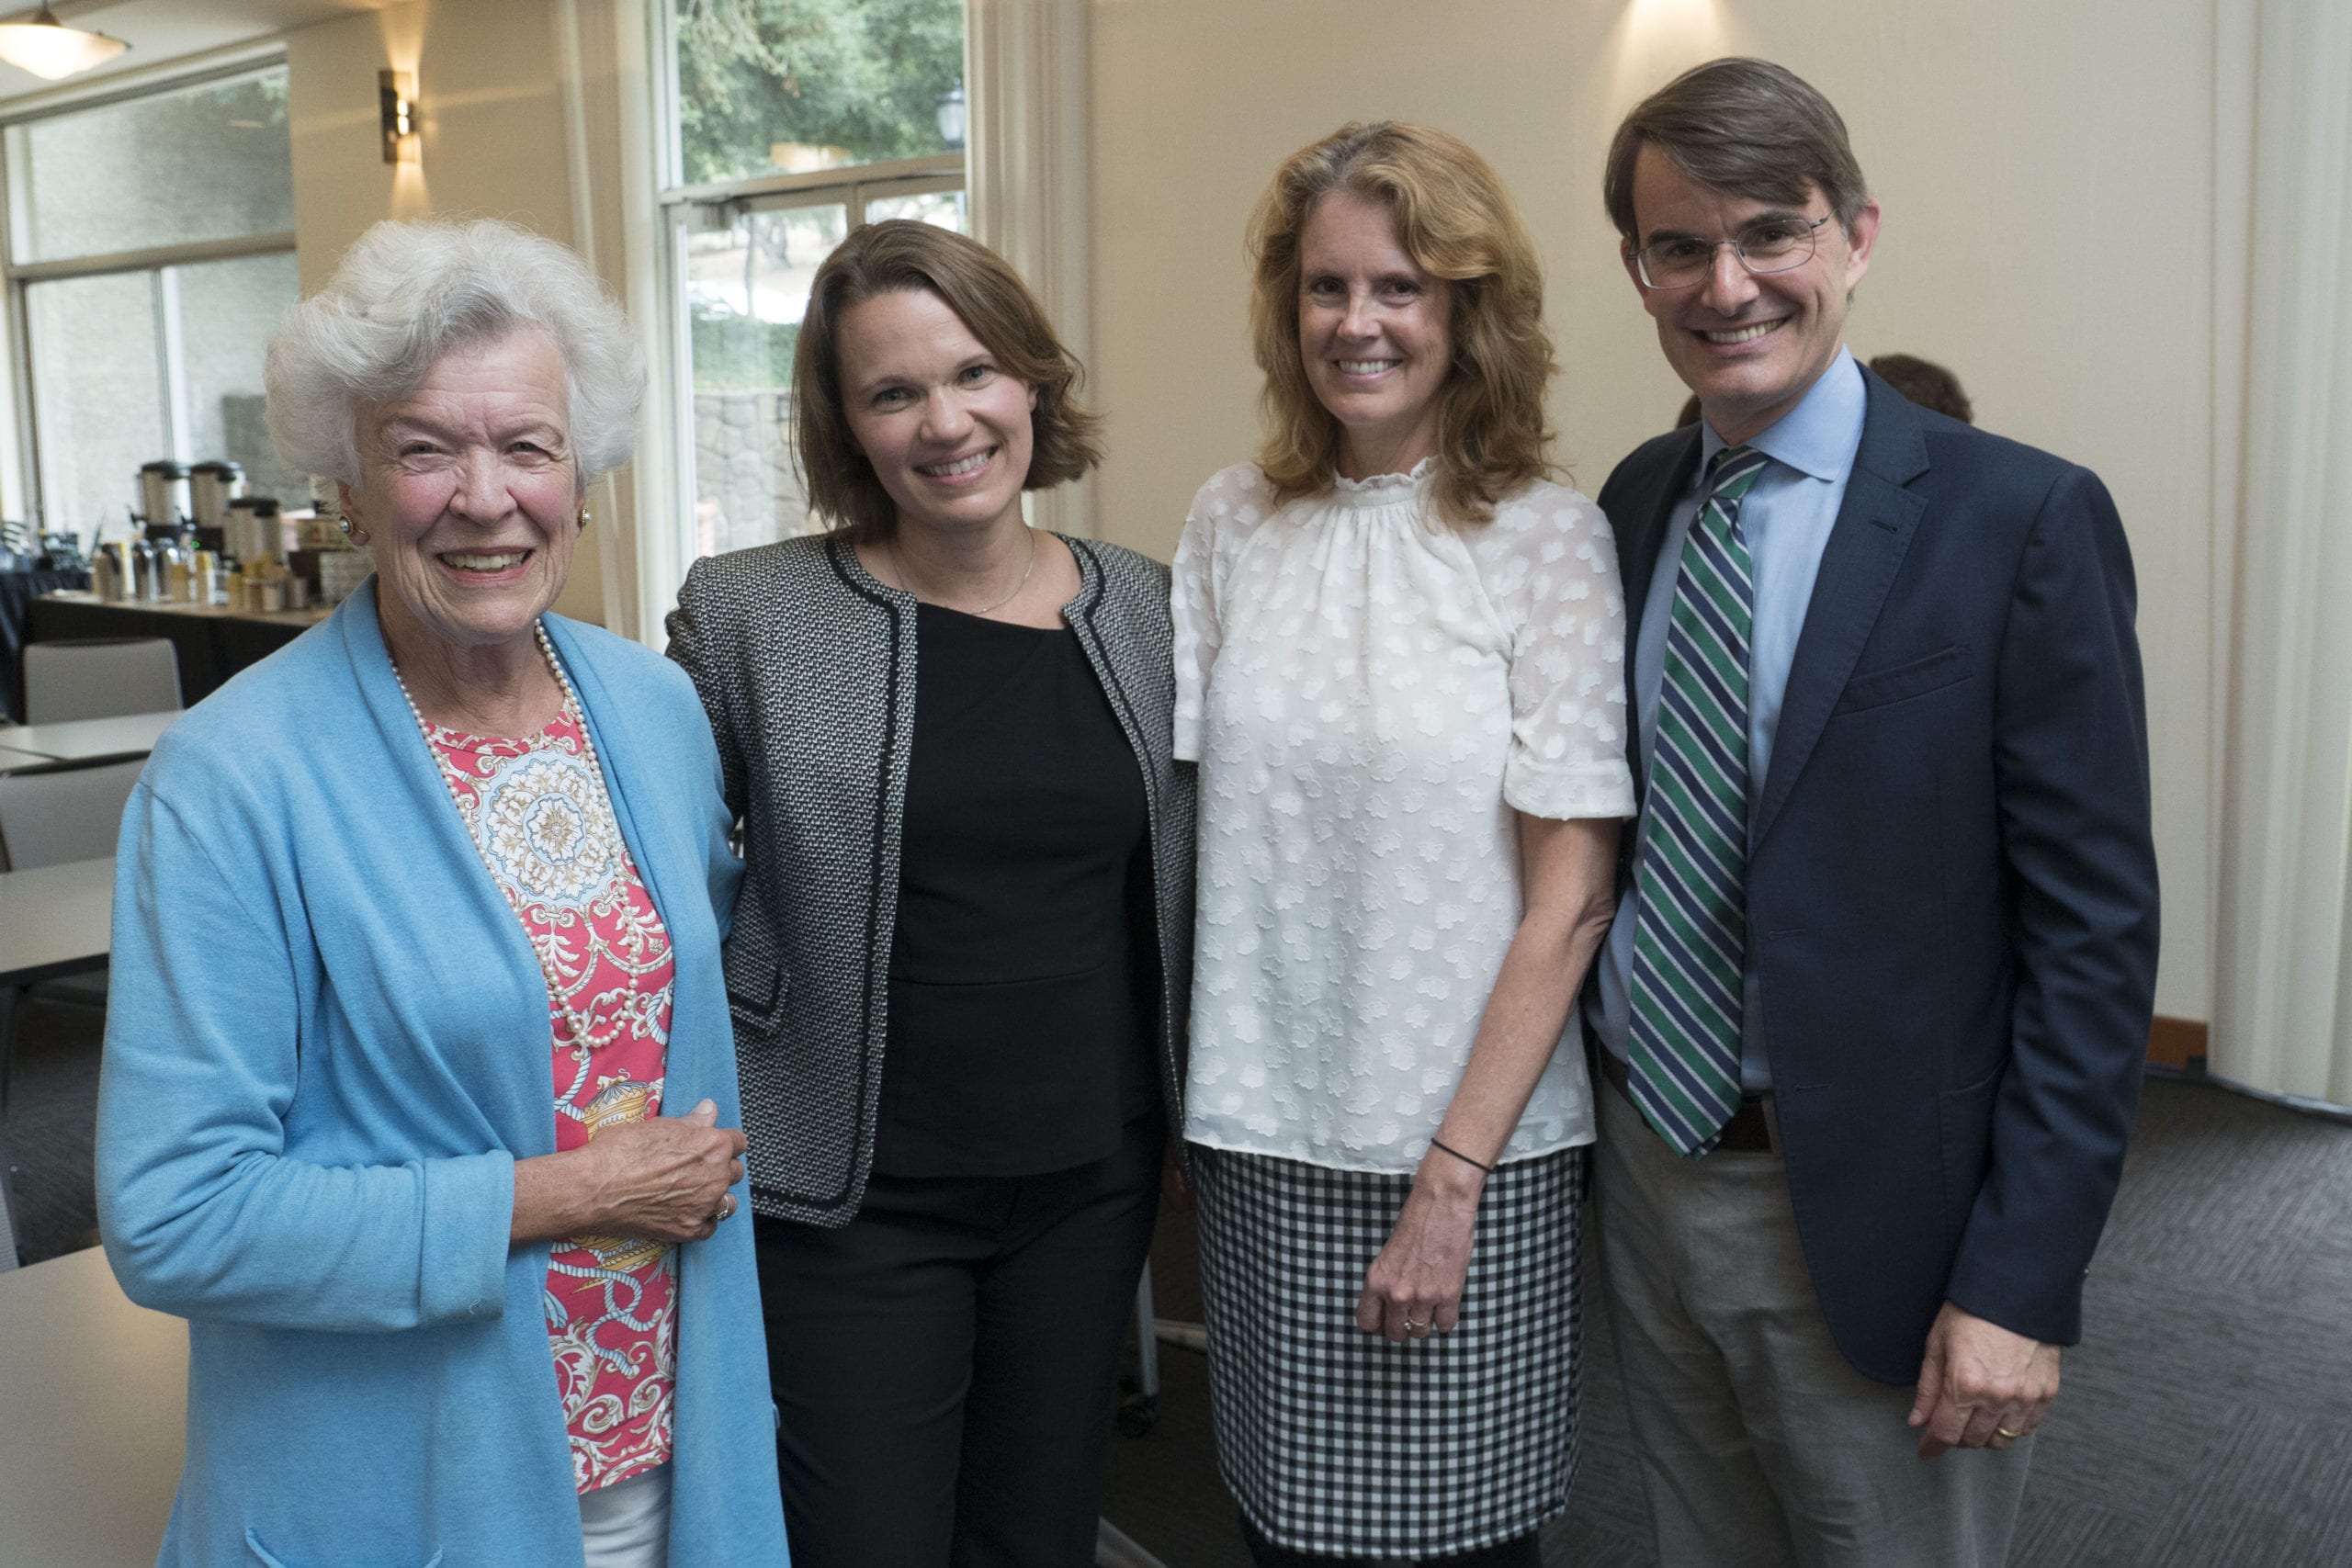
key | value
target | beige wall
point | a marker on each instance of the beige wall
(491, 122)
(2047, 171)
(490, 89)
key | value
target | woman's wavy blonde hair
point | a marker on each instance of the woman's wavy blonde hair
(1457, 222)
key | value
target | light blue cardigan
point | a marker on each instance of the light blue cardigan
(327, 1042)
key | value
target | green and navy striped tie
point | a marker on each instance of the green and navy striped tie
(1691, 910)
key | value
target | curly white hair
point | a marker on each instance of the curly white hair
(407, 293)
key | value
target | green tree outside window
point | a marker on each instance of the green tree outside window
(862, 77)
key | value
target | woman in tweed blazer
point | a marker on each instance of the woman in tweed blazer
(960, 964)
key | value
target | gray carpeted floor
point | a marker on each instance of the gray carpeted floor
(2206, 1422)
(52, 1111)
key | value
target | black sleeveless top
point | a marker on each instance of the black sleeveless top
(1022, 971)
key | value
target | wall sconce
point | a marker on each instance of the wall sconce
(396, 103)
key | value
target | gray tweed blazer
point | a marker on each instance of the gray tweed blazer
(806, 664)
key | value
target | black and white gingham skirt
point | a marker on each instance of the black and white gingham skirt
(1339, 1443)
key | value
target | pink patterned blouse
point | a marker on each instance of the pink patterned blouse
(537, 810)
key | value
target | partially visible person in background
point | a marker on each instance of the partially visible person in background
(962, 963)
(1926, 383)
(1399, 663)
(416, 965)
(1923, 381)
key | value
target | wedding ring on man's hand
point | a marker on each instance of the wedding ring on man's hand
(1412, 1327)
(2005, 1432)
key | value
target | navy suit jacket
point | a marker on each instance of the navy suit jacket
(1951, 887)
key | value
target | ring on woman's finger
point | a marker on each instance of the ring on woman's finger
(2005, 1432)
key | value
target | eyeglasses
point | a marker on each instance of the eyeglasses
(1767, 245)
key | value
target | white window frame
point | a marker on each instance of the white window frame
(666, 491)
(20, 480)
(1026, 179)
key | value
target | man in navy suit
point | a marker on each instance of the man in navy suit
(1875, 1002)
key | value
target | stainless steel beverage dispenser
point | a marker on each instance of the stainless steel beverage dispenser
(211, 486)
(163, 495)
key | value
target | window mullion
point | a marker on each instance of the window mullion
(20, 367)
(170, 350)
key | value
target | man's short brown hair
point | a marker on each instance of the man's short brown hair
(1926, 383)
(1748, 127)
(990, 299)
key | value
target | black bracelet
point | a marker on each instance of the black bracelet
(1465, 1159)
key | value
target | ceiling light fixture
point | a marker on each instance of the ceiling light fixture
(50, 50)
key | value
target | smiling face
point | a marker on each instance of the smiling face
(1749, 345)
(1376, 334)
(469, 493)
(946, 430)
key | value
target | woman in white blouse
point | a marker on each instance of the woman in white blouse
(1400, 669)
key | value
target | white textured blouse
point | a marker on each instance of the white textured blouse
(1370, 694)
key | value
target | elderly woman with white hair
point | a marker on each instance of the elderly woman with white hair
(416, 965)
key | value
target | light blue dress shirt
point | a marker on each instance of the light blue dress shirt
(1786, 518)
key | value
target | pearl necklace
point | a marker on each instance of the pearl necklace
(906, 583)
(451, 779)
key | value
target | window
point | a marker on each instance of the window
(794, 121)
(149, 253)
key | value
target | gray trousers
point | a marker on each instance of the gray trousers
(1759, 1446)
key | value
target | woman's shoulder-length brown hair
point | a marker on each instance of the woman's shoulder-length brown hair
(1457, 222)
(990, 299)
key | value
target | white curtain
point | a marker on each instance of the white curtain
(1027, 81)
(2283, 980)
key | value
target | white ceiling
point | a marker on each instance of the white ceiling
(162, 30)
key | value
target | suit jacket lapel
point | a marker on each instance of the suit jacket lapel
(1866, 548)
(1646, 509)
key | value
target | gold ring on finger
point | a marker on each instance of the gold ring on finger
(2005, 1432)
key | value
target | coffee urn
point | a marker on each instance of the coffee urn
(255, 530)
(211, 486)
(164, 495)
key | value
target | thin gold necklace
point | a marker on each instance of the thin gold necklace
(906, 583)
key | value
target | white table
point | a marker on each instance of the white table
(11, 759)
(92, 1418)
(54, 919)
(89, 740)
(309, 615)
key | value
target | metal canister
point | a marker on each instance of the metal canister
(211, 487)
(168, 564)
(255, 530)
(163, 493)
